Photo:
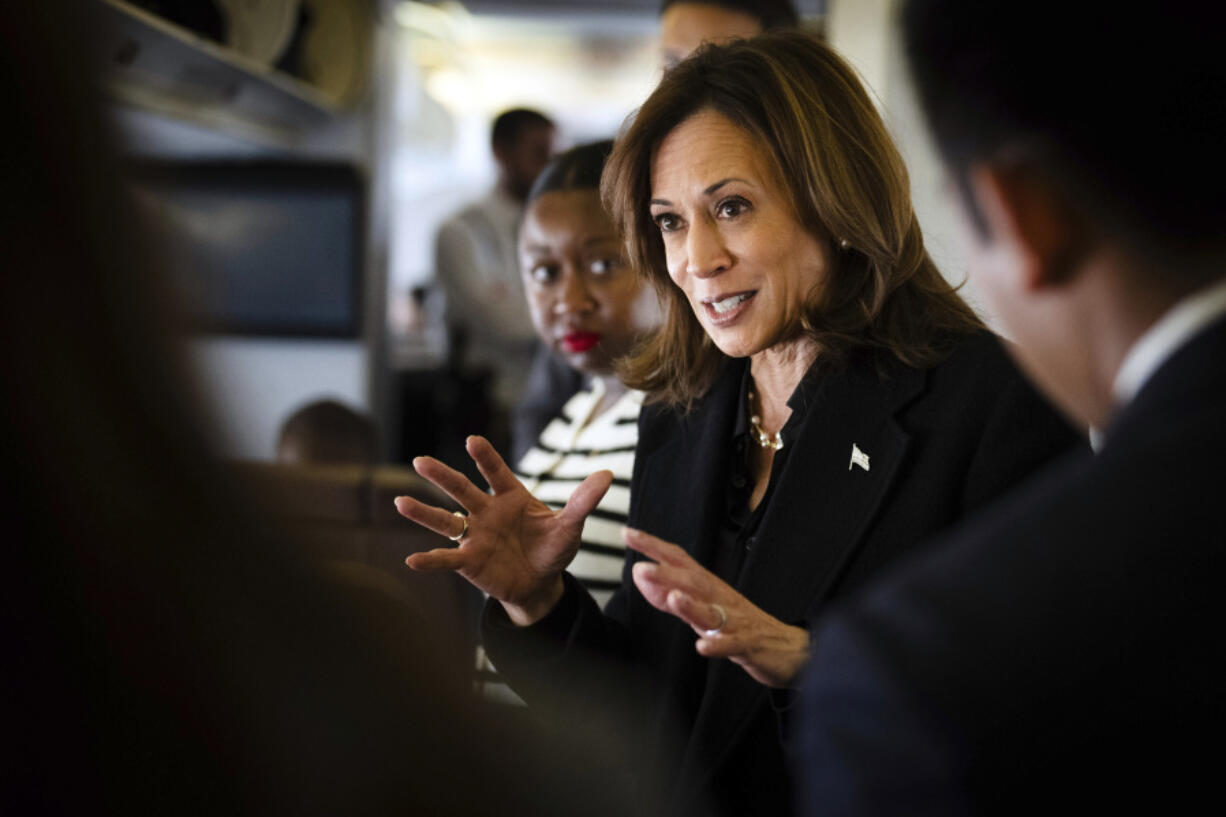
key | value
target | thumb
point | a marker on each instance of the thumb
(586, 497)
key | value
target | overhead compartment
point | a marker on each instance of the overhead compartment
(163, 66)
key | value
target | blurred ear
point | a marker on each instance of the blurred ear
(1030, 218)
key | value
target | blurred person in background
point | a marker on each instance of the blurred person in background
(686, 25)
(476, 262)
(1062, 653)
(820, 401)
(327, 431)
(162, 655)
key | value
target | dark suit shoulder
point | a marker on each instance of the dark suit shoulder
(977, 397)
(977, 365)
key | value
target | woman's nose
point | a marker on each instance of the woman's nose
(573, 294)
(705, 253)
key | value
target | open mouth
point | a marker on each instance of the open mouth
(580, 341)
(724, 309)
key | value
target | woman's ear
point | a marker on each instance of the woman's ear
(1030, 219)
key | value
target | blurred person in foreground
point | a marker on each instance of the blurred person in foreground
(1062, 654)
(477, 262)
(820, 400)
(163, 656)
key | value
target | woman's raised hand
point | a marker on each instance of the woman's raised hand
(728, 624)
(514, 547)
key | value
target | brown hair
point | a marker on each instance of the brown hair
(845, 178)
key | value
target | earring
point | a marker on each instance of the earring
(844, 243)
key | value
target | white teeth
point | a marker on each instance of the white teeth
(728, 304)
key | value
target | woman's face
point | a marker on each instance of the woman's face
(731, 239)
(586, 302)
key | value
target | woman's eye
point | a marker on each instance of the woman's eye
(667, 222)
(731, 208)
(604, 265)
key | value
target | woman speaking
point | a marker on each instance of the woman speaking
(820, 402)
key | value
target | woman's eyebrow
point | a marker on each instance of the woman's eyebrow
(721, 183)
(707, 192)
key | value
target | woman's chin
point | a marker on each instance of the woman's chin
(594, 362)
(734, 344)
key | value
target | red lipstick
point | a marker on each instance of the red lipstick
(579, 341)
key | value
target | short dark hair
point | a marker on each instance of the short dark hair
(769, 13)
(1125, 112)
(510, 125)
(576, 169)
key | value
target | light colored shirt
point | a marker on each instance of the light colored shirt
(477, 265)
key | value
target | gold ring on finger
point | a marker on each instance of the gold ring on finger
(464, 518)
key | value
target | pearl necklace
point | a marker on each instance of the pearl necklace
(764, 440)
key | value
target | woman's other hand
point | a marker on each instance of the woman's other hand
(515, 547)
(728, 624)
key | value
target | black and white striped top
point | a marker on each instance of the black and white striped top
(574, 445)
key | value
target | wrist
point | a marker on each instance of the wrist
(797, 656)
(534, 608)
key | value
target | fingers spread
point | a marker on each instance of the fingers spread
(701, 615)
(646, 579)
(437, 559)
(440, 521)
(456, 485)
(491, 465)
(656, 548)
(723, 645)
(587, 496)
(693, 580)
(662, 588)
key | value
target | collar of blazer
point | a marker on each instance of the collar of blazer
(818, 514)
(1189, 381)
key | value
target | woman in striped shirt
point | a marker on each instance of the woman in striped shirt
(590, 308)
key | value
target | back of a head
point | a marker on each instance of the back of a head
(1124, 109)
(579, 168)
(327, 431)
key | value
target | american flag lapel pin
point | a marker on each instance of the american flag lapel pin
(858, 457)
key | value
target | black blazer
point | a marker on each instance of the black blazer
(941, 443)
(1061, 654)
